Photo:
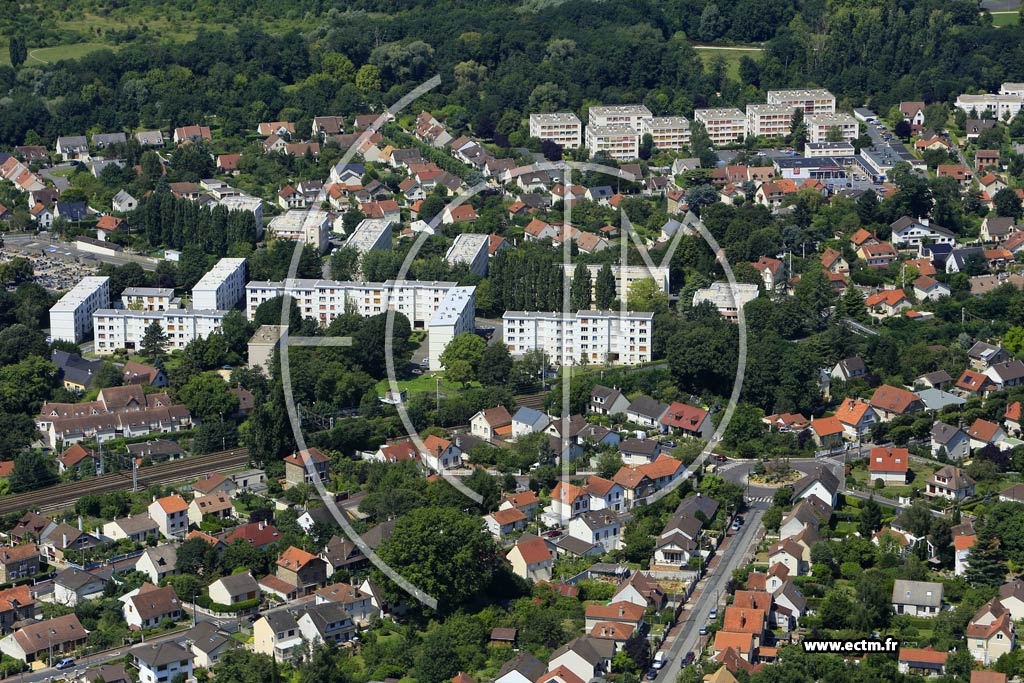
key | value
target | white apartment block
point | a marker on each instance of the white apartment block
(625, 276)
(819, 126)
(769, 120)
(727, 299)
(122, 329)
(1015, 89)
(588, 336)
(563, 129)
(371, 233)
(309, 226)
(1000, 105)
(813, 101)
(471, 249)
(71, 316)
(222, 287)
(668, 132)
(725, 126)
(148, 298)
(456, 314)
(632, 115)
(239, 201)
(619, 141)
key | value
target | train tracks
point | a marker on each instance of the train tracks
(66, 495)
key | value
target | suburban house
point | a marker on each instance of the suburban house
(856, 416)
(886, 303)
(358, 603)
(951, 483)
(925, 662)
(586, 657)
(233, 589)
(599, 527)
(148, 606)
(848, 369)
(531, 559)
(502, 523)
(891, 465)
(523, 668)
(305, 571)
(306, 466)
(209, 643)
(35, 641)
(605, 494)
(19, 562)
(326, 622)
(984, 433)
(1006, 374)
(646, 412)
(953, 439)
(917, 598)
(171, 515)
(688, 420)
(878, 255)
(277, 635)
(158, 562)
(990, 633)
(827, 432)
(821, 482)
(1011, 418)
(526, 502)
(492, 424)
(605, 401)
(216, 506)
(528, 421)
(73, 586)
(639, 451)
(928, 288)
(890, 402)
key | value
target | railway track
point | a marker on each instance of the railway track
(66, 495)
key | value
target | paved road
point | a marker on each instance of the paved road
(712, 591)
(84, 663)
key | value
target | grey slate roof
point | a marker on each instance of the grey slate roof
(919, 593)
(943, 433)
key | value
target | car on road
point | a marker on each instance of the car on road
(721, 458)
(425, 362)
(659, 659)
(66, 663)
(739, 520)
(703, 631)
(735, 526)
(688, 659)
(651, 674)
(713, 614)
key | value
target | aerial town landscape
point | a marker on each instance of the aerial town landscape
(529, 342)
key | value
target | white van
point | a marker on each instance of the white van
(659, 659)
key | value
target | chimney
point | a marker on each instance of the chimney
(79, 522)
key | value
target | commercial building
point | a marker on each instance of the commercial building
(817, 150)
(222, 287)
(632, 115)
(455, 315)
(371, 233)
(625, 276)
(619, 141)
(325, 300)
(725, 126)
(471, 249)
(727, 299)
(769, 120)
(668, 132)
(563, 129)
(813, 101)
(820, 125)
(614, 337)
(312, 227)
(71, 316)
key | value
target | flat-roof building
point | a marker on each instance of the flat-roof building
(71, 316)
(309, 226)
(725, 125)
(814, 150)
(148, 298)
(812, 101)
(122, 329)
(619, 141)
(471, 249)
(563, 128)
(614, 337)
(221, 288)
(455, 314)
(999, 105)
(625, 276)
(728, 299)
(819, 126)
(667, 132)
(631, 115)
(769, 120)
(370, 234)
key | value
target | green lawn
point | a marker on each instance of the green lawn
(1010, 18)
(425, 383)
(48, 55)
(730, 55)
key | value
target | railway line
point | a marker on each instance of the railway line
(66, 495)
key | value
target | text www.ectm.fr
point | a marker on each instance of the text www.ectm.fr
(889, 644)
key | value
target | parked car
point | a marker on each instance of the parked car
(66, 663)
(735, 526)
(669, 444)
(688, 659)
(713, 614)
(659, 659)
(703, 630)
(651, 674)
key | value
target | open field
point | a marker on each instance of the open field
(1010, 18)
(731, 55)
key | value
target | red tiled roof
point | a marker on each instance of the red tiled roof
(533, 551)
(889, 460)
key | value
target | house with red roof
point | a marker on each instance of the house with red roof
(170, 514)
(891, 465)
(257, 534)
(984, 433)
(440, 454)
(1011, 418)
(877, 254)
(502, 523)
(531, 559)
(926, 662)
(771, 272)
(973, 383)
(492, 424)
(76, 456)
(827, 432)
(568, 501)
(305, 571)
(887, 303)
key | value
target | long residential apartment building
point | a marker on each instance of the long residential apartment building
(564, 129)
(1000, 105)
(769, 120)
(625, 276)
(820, 125)
(667, 132)
(419, 301)
(725, 125)
(117, 328)
(618, 140)
(221, 288)
(71, 316)
(632, 115)
(588, 336)
(812, 101)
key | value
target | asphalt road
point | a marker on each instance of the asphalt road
(84, 663)
(712, 592)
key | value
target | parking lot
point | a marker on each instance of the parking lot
(55, 269)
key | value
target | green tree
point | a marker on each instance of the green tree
(604, 288)
(579, 290)
(701, 147)
(195, 557)
(461, 358)
(442, 551)
(798, 129)
(988, 565)
(154, 341)
(1007, 203)
(208, 396)
(17, 50)
(344, 263)
(870, 518)
(109, 375)
(368, 78)
(646, 295)
(495, 365)
(31, 472)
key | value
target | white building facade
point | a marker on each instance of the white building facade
(820, 125)
(71, 316)
(622, 338)
(471, 249)
(725, 126)
(769, 120)
(221, 288)
(812, 101)
(564, 129)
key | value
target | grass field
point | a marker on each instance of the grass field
(1010, 18)
(731, 55)
(423, 384)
